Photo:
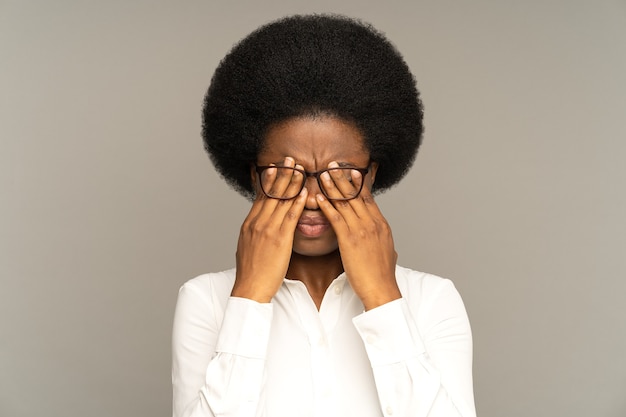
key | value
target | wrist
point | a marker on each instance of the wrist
(251, 293)
(380, 297)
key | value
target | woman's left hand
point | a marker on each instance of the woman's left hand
(364, 238)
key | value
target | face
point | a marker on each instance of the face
(314, 143)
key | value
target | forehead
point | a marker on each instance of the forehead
(314, 142)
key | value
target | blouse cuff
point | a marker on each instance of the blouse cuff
(245, 329)
(386, 333)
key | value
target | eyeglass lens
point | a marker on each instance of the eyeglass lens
(286, 183)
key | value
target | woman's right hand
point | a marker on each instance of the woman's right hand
(266, 238)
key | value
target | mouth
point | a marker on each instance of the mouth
(312, 226)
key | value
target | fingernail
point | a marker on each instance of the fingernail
(333, 164)
(320, 197)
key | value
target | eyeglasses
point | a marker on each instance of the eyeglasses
(286, 183)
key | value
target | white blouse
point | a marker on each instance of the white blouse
(236, 357)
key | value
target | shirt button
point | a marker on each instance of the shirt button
(337, 289)
(389, 410)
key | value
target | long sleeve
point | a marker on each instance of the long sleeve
(427, 374)
(236, 357)
(218, 355)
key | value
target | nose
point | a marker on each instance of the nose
(313, 189)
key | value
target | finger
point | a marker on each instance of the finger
(365, 207)
(335, 218)
(285, 216)
(346, 181)
(366, 201)
(329, 180)
(343, 206)
(277, 183)
(294, 188)
(262, 201)
(295, 184)
(294, 211)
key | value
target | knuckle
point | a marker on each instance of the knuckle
(372, 226)
(368, 199)
(335, 217)
(258, 228)
(247, 225)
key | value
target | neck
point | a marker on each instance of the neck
(316, 272)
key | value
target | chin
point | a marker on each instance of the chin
(314, 247)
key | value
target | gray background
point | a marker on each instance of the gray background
(108, 202)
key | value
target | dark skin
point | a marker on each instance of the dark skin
(316, 272)
(309, 238)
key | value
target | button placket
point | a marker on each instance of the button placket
(331, 304)
(338, 289)
(318, 326)
(323, 378)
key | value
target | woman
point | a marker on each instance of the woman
(308, 116)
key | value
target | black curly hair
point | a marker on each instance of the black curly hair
(312, 65)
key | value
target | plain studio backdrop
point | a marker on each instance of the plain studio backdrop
(108, 202)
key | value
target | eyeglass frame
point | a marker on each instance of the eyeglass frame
(364, 171)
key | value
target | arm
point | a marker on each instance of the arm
(421, 375)
(417, 375)
(219, 356)
(218, 367)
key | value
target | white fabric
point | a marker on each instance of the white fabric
(236, 357)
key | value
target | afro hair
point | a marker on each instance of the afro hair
(312, 65)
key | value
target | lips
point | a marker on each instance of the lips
(312, 226)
